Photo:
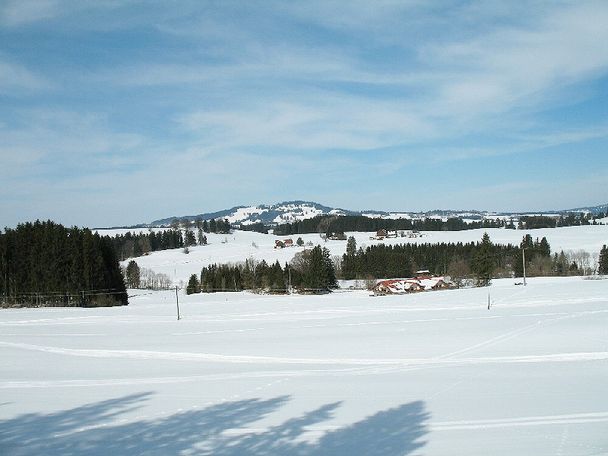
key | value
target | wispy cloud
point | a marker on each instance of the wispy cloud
(18, 12)
(15, 78)
(246, 98)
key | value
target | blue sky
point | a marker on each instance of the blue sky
(119, 112)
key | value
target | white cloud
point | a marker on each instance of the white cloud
(19, 12)
(523, 65)
(54, 142)
(15, 77)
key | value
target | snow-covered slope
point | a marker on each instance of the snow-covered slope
(241, 245)
(341, 374)
(290, 211)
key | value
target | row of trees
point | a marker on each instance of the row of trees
(137, 277)
(479, 260)
(309, 271)
(340, 224)
(466, 263)
(132, 245)
(45, 263)
(221, 226)
(571, 219)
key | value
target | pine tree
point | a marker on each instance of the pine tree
(483, 262)
(315, 268)
(133, 274)
(193, 285)
(349, 260)
(351, 246)
(189, 238)
(603, 261)
(329, 272)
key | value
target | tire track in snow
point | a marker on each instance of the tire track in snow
(576, 418)
(253, 359)
(181, 379)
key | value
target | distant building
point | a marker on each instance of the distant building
(423, 281)
(280, 244)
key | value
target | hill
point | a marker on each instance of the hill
(291, 211)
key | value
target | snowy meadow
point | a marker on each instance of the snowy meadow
(345, 373)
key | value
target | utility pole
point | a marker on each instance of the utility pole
(523, 259)
(177, 301)
(289, 274)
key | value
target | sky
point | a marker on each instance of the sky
(122, 112)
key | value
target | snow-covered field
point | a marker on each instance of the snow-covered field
(342, 374)
(241, 245)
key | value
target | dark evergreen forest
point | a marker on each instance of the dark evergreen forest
(44, 263)
(340, 224)
(131, 245)
(310, 271)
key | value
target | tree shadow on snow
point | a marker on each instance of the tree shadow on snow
(81, 431)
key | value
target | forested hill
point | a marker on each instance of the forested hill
(44, 263)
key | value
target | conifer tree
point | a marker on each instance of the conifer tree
(483, 262)
(193, 285)
(133, 274)
(329, 272)
(603, 261)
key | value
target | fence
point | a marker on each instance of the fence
(82, 298)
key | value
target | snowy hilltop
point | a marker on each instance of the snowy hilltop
(291, 211)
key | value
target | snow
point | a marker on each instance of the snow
(433, 373)
(240, 245)
(429, 373)
(241, 215)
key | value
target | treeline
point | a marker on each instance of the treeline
(131, 245)
(221, 226)
(340, 224)
(331, 224)
(258, 227)
(310, 271)
(465, 261)
(44, 263)
(462, 260)
(571, 219)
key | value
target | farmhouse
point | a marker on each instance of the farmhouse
(422, 282)
(382, 233)
(279, 244)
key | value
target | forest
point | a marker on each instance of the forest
(310, 271)
(44, 263)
